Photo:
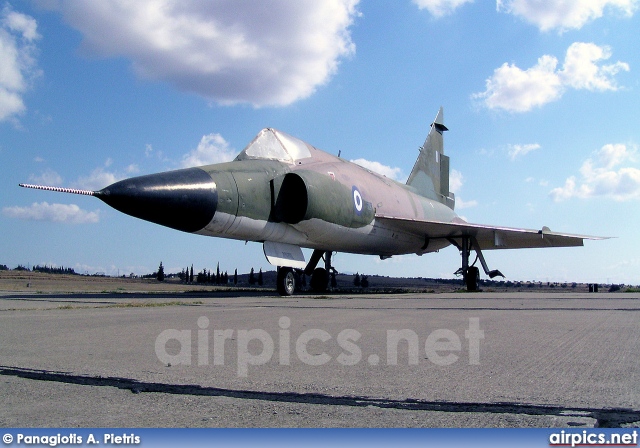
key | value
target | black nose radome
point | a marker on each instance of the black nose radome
(183, 199)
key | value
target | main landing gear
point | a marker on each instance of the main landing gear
(286, 281)
(471, 274)
(320, 277)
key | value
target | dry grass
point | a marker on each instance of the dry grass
(37, 282)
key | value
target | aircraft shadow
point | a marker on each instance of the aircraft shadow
(605, 417)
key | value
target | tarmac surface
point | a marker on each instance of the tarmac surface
(410, 360)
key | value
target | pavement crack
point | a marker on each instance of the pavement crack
(605, 417)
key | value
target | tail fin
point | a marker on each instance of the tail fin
(430, 174)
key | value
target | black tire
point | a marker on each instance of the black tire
(286, 281)
(471, 279)
(319, 280)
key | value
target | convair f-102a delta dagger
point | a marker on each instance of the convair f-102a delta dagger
(288, 195)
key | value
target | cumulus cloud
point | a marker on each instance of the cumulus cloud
(515, 90)
(439, 8)
(99, 178)
(516, 151)
(264, 53)
(580, 70)
(377, 167)
(456, 180)
(564, 15)
(47, 177)
(213, 148)
(43, 211)
(601, 175)
(18, 34)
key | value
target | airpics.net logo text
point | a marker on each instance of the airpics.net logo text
(258, 347)
(589, 438)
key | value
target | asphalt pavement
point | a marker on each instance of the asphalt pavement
(411, 360)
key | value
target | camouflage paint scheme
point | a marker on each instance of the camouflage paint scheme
(281, 190)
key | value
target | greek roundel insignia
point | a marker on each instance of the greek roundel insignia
(357, 201)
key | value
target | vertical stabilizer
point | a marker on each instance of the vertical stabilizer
(430, 174)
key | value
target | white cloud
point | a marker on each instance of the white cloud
(516, 151)
(515, 90)
(213, 148)
(600, 176)
(580, 70)
(149, 152)
(67, 213)
(47, 177)
(566, 14)
(456, 180)
(460, 203)
(541, 182)
(265, 53)
(20, 23)
(99, 178)
(439, 8)
(18, 32)
(394, 173)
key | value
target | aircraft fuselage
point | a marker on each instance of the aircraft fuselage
(321, 202)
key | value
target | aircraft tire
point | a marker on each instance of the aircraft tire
(319, 280)
(286, 281)
(471, 279)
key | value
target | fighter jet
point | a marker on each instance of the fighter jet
(288, 195)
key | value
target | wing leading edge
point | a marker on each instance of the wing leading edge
(488, 237)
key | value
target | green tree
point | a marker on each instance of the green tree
(252, 277)
(160, 275)
(235, 277)
(260, 277)
(356, 280)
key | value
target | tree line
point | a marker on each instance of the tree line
(38, 268)
(205, 276)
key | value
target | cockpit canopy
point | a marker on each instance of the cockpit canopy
(272, 144)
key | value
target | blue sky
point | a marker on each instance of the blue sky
(541, 99)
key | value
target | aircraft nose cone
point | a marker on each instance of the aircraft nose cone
(183, 199)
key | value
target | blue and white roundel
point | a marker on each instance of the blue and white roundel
(357, 200)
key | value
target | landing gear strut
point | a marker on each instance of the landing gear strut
(319, 276)
(471, 274)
